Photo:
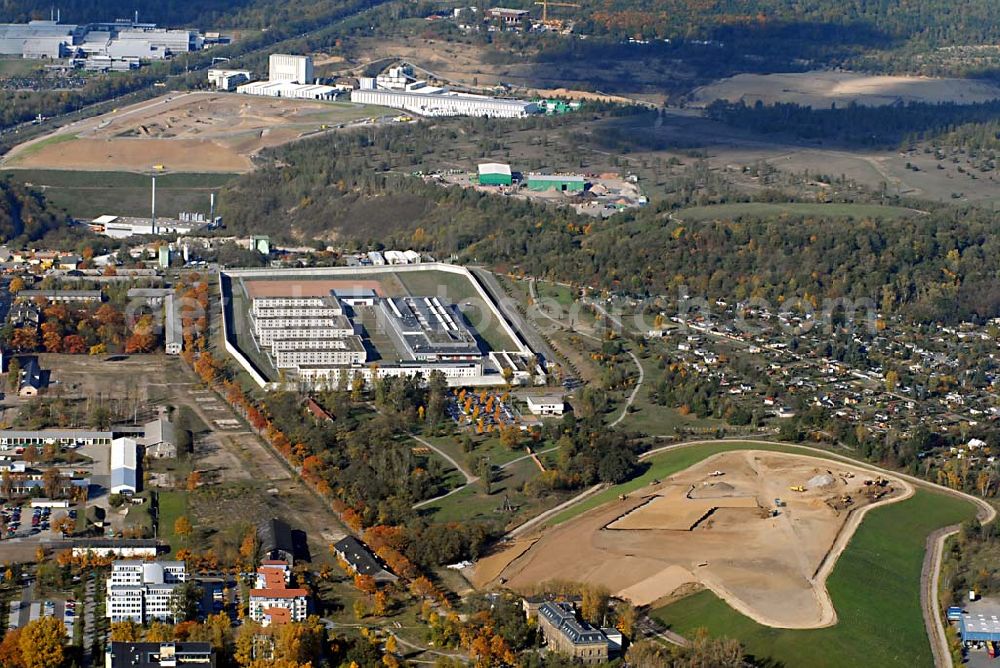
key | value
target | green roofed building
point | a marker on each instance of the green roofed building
(562, 182)
(494, 174)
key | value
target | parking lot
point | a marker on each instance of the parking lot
(29, 608)
(23, 522)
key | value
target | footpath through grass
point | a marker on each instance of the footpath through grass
(875, 588)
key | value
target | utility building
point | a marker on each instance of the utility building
(494, 174)
(560, 182)
(124, 466)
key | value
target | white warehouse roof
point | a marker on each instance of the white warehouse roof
(124, 453)
(494, 168)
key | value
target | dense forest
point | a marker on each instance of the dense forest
(930, 22)
(944, 264)
(24, 216)
(855, 124)
(175, 13)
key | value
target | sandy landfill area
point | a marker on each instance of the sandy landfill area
(718, 524)
(821, 89)
(193, 132)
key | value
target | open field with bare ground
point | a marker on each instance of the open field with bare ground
(192, 132)
(821, 89)
(718, 524)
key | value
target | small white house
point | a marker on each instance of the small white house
(546, 404)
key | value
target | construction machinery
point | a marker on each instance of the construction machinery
(797, 488)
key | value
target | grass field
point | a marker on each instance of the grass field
(18, 67)
(760, 209)
(874, 587)
(473, 504)
(656, 420)
(91, 194)
(172, 506)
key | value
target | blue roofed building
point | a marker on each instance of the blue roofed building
(979, 627)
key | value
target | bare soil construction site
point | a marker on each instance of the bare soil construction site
(762, 530)
(193, 132)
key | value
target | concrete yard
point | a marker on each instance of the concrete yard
(717, 525)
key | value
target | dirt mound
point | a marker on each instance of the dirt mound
(714, 490)
(821, 481)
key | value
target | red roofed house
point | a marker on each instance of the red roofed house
(276, 616)
(273, 601)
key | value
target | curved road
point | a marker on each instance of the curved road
(642, 374)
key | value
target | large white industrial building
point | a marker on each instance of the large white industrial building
(296, 69)
(37, 39)
(432, 101)
(289, 77)
(119, 41)
(289, 90)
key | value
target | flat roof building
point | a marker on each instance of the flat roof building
(426, 330)
(142, 591)
(560, 182)
(979, 627)
(440, 102)
(293, 69)
(228, 79)
(62, 296)
(37, 39)
(159, 655)
(288, 90)
(546, 404)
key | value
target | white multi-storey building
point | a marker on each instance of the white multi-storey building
(350, 351)
(283, 67)
(273, 594)
(143, 590)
